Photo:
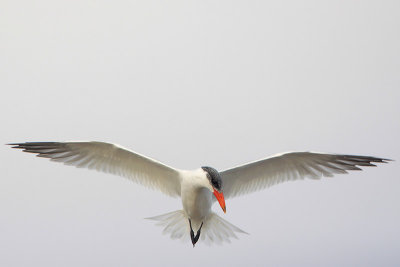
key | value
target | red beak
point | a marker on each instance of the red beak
(221, 200)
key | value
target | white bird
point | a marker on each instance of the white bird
(200, 188)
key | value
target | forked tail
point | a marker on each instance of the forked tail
(214, 230)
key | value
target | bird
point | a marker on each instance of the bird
(198, 189)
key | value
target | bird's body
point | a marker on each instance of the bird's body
(196, 198)
(199, 189)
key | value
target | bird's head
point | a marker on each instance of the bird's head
(215, 185)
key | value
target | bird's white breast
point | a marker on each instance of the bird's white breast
(196, 196)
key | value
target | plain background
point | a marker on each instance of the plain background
(194, 83)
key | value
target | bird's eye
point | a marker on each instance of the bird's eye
(216, 184)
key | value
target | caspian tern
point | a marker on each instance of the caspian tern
(200, 188)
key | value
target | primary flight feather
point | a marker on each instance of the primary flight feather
(199, 188)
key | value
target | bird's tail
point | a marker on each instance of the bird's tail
(215, 229)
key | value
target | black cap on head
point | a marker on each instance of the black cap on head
(214, 177)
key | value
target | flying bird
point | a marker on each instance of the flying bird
(200, 188)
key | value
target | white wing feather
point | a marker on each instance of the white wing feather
(109, 158)
(287, 167)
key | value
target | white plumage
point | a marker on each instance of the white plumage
(200, 188)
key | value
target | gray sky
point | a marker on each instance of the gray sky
(195, 83)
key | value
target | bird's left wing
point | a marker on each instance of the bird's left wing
(109, 158)
(289, 166)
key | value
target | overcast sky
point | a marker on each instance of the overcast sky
(194, 83)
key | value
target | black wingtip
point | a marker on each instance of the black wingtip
(381, 160)
(15, 145)
(373, 159)
(32, 144)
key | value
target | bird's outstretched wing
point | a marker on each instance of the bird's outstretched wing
(289, 166)
(109, 158)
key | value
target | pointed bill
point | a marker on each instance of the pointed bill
(221, 199)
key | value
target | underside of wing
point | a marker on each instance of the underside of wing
(109, 158)
(287, 167)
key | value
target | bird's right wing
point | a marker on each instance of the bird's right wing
(289, 166)
(109, 158)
